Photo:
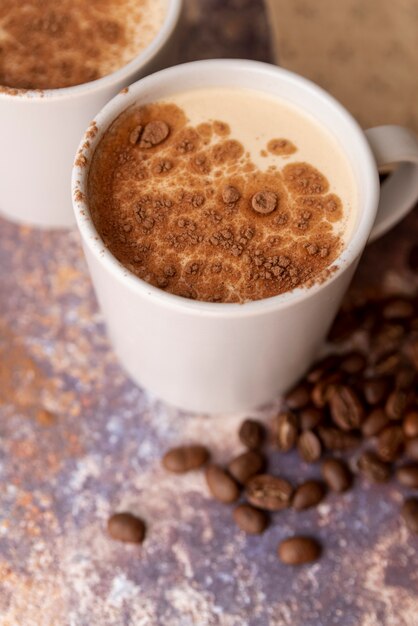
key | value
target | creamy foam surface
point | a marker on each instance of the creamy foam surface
(255, 120)
(234, 196)
(47, 44)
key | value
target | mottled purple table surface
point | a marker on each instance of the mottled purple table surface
(78, 441)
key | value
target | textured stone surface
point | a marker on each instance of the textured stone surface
(78, 441)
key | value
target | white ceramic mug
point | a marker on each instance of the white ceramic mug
(40, 131)
(214, 357)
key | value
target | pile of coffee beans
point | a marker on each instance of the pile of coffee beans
(355, 411)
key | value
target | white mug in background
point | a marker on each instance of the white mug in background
(40, 131)
(214, 357)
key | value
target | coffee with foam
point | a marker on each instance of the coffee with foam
(222, 195)
(45, 44)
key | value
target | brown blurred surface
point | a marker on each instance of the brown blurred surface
(364, 53)
(78, 441)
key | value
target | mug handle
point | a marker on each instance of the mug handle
(398, 146)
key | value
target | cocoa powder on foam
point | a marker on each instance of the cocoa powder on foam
(194, 216)
(49, 44)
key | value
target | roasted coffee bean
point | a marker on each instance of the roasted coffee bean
(390, 443)
(396, 404)
(413, 258)
(353, 363)
(405, 378)
(346, 408)
(299, 550)
(387, 364)
(309, 446)
(298, 397)
(411, 448)
(309, 493)
(250, 520)
(221, 485)
(410, 424)
(367, 316)
(397, 309)
(321, 390)
(126, 527)
(286, 431)
(269, 492)
(386, 340)
(374, 423)
(251, 434)
(310, 417)
(337, 475)
(335, 439)
(411, 351)
(374, 468)
(246, 465)
(409, 512)
(407, 475)
(185, 458)
(321, 368)
(375, 390)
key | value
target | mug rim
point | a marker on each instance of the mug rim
(122, 74)
(90, 236)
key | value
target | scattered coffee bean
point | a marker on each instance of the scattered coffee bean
(321, 368)
(353, 363)
(405, 378)
(309, 446)
(409, 512)
(299, 550)
(298, 397)
(269, 492)
(410, 424)
(411, 448)
(126, 527)
(246, 465)
(250, 520)
(251, 434)
(390, 443)
(396, 404)
(407, 475)
(321, 390)
(310, 417)
(337, 475)
(411, 348)
(185, 458)
(374, 423)
(373, 468)
(387, 364)
(375, 390)
(346, 408)
(221, 485)
(335, 388)
(264, 202)
(335, 439)
(308, 494)
(286, 431)
(397, 309)
(386, 340)
(413, 258)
